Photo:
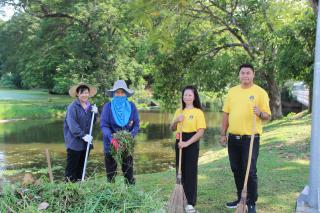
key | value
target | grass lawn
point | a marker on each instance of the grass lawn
(283, 168)
(20, 104)
(283, 163)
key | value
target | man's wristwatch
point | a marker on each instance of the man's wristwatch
(260, 115)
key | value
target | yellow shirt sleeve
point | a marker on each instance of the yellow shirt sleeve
(201, 121)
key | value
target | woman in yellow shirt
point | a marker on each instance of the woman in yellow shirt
(191, 122)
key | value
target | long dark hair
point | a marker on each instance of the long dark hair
(196, 101)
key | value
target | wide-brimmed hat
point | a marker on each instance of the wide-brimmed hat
(73, 89)
(120, 84)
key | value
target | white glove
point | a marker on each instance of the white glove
(87, 138)
(94, 109)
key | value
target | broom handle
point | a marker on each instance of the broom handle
(250, 153)
(180, 151)
(87, 151)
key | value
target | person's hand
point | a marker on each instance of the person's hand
(94, 109)
(256, 111)
(87, 138)
(179, 118)
(183, 144)
(223, 140)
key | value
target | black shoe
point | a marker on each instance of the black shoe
(251, 208)
(232, 205)
(130, 182)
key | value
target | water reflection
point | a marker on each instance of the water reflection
(22, 145)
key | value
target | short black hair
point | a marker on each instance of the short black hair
(82, 88)
(196, 101)
(247, 65)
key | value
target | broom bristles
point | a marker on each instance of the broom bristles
(241, 208)
(177, 200)
(242, 205)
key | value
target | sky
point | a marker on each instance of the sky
(6, 12)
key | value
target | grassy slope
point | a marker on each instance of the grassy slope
(282, 170)
(31, 104)
(282, 165)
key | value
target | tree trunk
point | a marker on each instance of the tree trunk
(275, 96)
(314, 5)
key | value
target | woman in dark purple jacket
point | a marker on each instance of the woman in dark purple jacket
(119, 114)
(76, 129)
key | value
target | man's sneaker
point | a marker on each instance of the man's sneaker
(232, 205)
(251, 208)
(190, 209)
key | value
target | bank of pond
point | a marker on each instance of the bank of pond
(283, 167)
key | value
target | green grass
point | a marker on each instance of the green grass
(25, 104)
(283, 168)
(282, 171)
(93, 195)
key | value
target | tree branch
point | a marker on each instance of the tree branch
(216, 50)
(246, 45)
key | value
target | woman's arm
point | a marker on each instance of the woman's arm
(136, 121)
(193, 139)
(105, 123)
(73, 125)
(174, 124)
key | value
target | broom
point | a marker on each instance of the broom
(242, 205)
(178, 199)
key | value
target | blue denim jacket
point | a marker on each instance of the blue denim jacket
(76, 125)
(108, 125)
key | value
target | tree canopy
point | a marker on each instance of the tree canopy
(160, 44)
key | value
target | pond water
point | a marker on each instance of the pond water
(23, 144)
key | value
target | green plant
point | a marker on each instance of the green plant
(122, 143)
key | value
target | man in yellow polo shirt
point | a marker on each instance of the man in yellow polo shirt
(242, 103)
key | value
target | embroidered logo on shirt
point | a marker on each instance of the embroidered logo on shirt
(190, 117)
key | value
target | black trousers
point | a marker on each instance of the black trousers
(189, 167)
(238, 149)
(75, 163)
(127, 168)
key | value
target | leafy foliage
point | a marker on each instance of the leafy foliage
(121, 144)
(162, 45)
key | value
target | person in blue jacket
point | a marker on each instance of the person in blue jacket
(119, 114)
(76, 129)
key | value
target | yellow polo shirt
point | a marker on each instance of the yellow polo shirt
(240, 109)
(193, 120)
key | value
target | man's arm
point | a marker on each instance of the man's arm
(224, 128)
(262, 115)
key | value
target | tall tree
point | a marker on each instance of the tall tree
(228, 28)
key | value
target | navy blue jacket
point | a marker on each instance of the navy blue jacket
(108, 125)
(76, 125)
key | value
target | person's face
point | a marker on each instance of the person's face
(246, 76)
(119, 92)
(188, 97)
(84, 96)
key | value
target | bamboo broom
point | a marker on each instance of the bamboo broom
(178, 199)
(242, 205)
